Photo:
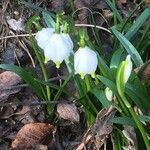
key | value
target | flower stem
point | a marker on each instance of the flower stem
(57, 27)
(87, 83)
(34, 20)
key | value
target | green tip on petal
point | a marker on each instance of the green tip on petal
(93, 75)
(82, 75)
(58, 64)
(46, 60)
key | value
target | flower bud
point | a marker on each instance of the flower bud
(127, 68)
(109, 94)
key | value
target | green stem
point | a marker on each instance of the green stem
(32, 21)
(125, 110)
(57, 27)
(87, 83)
(42, 68)
(137, 121)
(115, 18)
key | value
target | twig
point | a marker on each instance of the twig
(28, 104)
(93, 26)
(15, 36)
(77, 25)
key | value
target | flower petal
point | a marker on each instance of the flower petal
(43, 36)
(57, 49)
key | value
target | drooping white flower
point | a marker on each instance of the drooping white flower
(68, 40)
(85, 61)
(57, 49)
(127, 68)
(42, 37)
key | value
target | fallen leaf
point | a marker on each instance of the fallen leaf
(68, 112)
(98, 133)
(144, 73)
(9, 112)
(130, 134)
(31, 134)
(7, 80)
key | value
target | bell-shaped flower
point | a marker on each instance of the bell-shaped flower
(68, 40)
(85, 62)
(58, 49)
(42, 37)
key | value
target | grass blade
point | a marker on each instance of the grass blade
(123, 121)
(48, 20)
(138, 23)
(103, 67)
(108, 83)
(111, 5)
(116, 58)
(101, 97)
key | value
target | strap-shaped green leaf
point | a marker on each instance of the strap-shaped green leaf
(138, 23)
(131, 50)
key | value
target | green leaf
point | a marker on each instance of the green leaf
(101, 97)
(144, 118)
(128, 121)
(27, 77)
(111, 5)
(103, 67)
(108, 83)
(138, 23)
(116, 58)
(123, 121)
(128, 47)
(138, 95)
(48, 20)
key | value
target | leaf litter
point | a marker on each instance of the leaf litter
(20, 123)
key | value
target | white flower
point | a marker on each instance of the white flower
(68, 40)
(58, 49)
(127, 68)
(42, 37)
(85, 62)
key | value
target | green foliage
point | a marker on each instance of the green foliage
(130, 38)
(128, 47)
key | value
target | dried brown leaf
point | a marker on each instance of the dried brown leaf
(31, 134)
(97, 135)
(130, 134)
(7, 80)
(68, 112)
(144, 73)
